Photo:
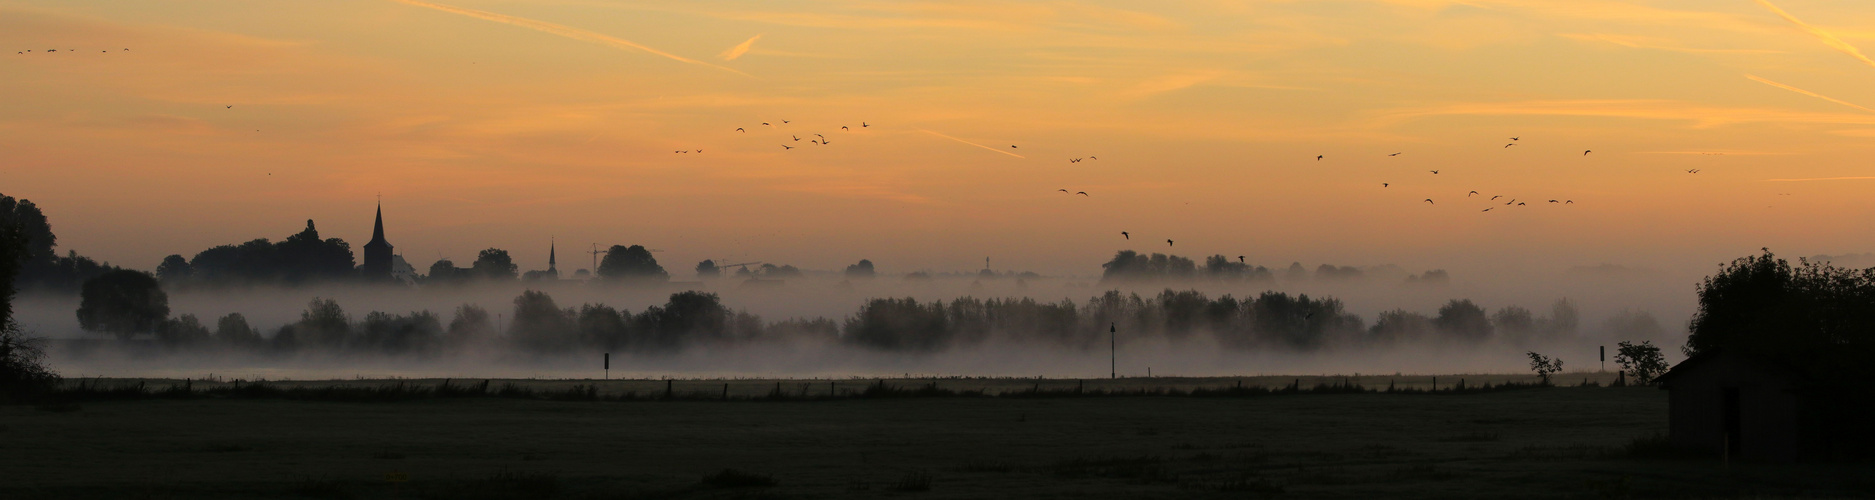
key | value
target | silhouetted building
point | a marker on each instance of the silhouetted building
(552, 273)
(1722, 402)
(377, 266)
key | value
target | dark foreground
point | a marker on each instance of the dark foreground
(1523, 443)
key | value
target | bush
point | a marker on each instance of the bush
(23, 373)
(1643, 360)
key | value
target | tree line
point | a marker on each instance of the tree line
(1128, 266)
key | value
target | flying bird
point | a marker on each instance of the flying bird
(1435, 172)
(785, 146)
(1585, 152)
(1569, 202)
(1553, 201)
(1514, 138)
(1240, 259)
(739, 129)
(1062, 190)
(1168, 242)
(1124, 234)
(1509, 145)
(1468, 195)
(1395, 154)
(1693, 171)
(1520, 204)
(796, 139)
(1429, 200)
(230, 106)
(785, 121)
(1383, 184)
(1318, 157)
(1494, 198)
(1082, 193)
(843, 127)
(1093, 157)
(1012, 146)
(1489, 209)
(766, 123)
(863, 125)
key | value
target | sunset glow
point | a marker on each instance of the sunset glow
(164, 128)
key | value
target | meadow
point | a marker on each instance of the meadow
(962, 438)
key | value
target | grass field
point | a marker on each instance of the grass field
(1561, 442)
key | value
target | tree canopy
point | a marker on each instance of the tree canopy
(633, 263)
(1814, 317)
(122, 302)
(300, 258)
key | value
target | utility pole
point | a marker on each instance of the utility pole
(1604, 357)
(1113, 339)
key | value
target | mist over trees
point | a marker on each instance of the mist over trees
(22, 370)
(123, 303)
(863, 269)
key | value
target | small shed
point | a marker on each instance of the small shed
(1743, 407)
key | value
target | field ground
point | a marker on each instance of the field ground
(1562, 442)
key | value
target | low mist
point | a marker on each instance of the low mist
(804, 328)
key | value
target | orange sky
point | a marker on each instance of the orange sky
(504, 123)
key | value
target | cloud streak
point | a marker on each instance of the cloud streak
(1755, 78)
(1825, 36)
(739, 49)
(972, 143)
(566, 31)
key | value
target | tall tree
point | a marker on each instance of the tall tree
(123, 303)
(494, 264)
(633, 263)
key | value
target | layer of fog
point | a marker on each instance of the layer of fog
(1598, 293)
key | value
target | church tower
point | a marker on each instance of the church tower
(377, 266)
(550, 264)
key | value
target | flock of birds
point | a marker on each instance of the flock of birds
(50, 51)
(1513, 202)
(818, 140)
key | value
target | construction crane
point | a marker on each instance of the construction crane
(744, 265)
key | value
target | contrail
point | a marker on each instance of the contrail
(739, 49)
(1808, 93)
(1827, 38)
(972, 143)
(1822, 179)
(565, 31)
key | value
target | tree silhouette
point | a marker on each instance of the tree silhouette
(183, 331)
(123, 303)
(174, 270)
(233, 330)
(861, 270)
(495, 265)
(631, 264)
(1464, 321)
(22, 373)
(1643, 360)
(707, 269)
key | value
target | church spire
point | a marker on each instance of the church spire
(550, 257)
(377, 234)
